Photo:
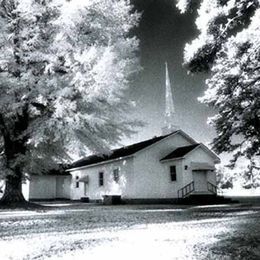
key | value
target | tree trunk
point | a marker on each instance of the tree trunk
(14, 146)
(13, 191)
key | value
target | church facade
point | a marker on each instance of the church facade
(162, 168)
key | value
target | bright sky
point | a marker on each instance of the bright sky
(163, 33)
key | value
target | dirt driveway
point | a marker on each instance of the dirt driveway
(85, 231)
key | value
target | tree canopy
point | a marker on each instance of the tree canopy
(64, 70)
(228, 48)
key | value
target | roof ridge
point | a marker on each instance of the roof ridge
(147, 140)
(117, 152)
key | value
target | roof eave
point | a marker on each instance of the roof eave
(99, 163)
(172, 159)
(187, 136)
(216, 158)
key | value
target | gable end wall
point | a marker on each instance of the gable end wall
(151, 177)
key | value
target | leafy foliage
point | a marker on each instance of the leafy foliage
(244, 175)
(224, 178)
(228, 45)
(64, 70)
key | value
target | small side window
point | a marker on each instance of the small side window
(77, 182)
(101, 179)
(173, 175)
(116, 175)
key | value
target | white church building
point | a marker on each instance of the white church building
(166, 167)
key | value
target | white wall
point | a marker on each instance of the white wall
(76, 193)
(151, 177)
(96, 192)
(26, 189)
(199, 155)
(49, 187)
(143, 176)
(63, 187)
(212, 177)
(42, 187)
(2, 187)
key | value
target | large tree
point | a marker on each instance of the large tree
(64, 70)
(228, 48)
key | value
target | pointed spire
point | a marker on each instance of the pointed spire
(169, 106)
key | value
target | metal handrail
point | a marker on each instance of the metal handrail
(211, 187)
(214, 188)
(187, 189)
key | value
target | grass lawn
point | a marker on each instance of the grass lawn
(85, 231)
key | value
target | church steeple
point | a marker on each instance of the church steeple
(169, 116)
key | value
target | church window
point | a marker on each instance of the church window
(77, 182)
(116, 175)
(101, 179)
(173, 174)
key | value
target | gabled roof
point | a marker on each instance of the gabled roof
(180, 152)
(117, 153)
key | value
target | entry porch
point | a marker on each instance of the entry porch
(200, 184)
